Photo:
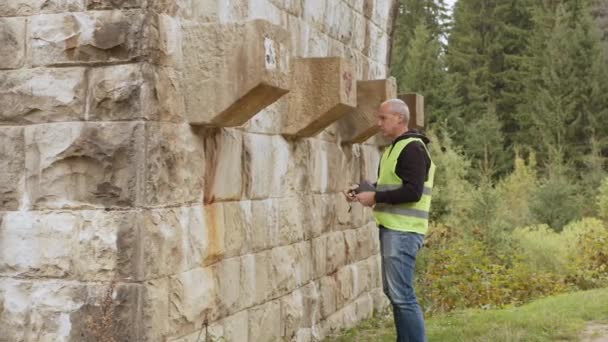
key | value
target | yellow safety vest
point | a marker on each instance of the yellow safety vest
(407, 217)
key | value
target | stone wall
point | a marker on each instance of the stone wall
(140, 142)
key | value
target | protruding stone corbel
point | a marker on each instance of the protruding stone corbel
(415, 102)
(233, 71)
(360, 125)
(322, 91)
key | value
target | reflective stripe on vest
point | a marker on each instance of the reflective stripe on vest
(411, 217)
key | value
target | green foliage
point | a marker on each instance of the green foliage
(452, 193)
(602, 200)
(557, 201)
(590, 241)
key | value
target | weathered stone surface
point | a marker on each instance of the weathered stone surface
(319, 253)
(103, 251)
(42, 95)
(83, 165)
(292, 215)
(236, 327)
(322, 216)
(370, 159)
(12, 167)
(234, 283)
(164, 36)
(292, 315)
(192, 300)
(331, 83)
(172, 241)
(361, 124)
(155, 309)
(174, 165)
(304, 268)
(117, 93)
(163, 98)
(415, 103)
(376, 44)
(311, 304)
(328, 169)
(13, 8)
(38, 310)
(380, 301)
(282, 264)
(336, 251)
(262, 181)
(111, 4)
(12, 36)
(263, 282)
(263, 322)
(265, 224)
(87, 245)
(237, 228)
(239, 70)
(223, 165)
(344, 283)
(328, 295)
(86, 37)
(214, 224)
(38, 245)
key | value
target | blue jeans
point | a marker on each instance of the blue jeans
(398, 251)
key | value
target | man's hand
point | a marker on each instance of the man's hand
(350, 193)
(367, 198)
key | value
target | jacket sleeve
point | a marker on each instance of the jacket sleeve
(412, 168)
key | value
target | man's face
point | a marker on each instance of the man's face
(388, 122)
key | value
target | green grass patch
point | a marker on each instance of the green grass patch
(558, 318)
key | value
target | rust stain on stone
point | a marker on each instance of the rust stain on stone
(214, 236)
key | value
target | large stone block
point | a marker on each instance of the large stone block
(86, 37)
(233, 71)
(39, 245)
(283, 263)
(174, 163)
(192, 300)
(237, 228)
(223, 164)
(261, 151)
(85, 245)
(328, 295)
(330, 82)
(12, 40)
(155, 309)
(117, 93)
(263, 322)
(319, 256)
(14, 8)
(38, 311)
(227, 275)
(344, 283)
(107, 245)
(263, 281)
(361, 124)
(42, 95)
(265, 224)
(292, 215)
(172, 241)
(292, 315)
(415, 103)
(12, 167)
(84, 165)
(336, 251)
(329, 171)
(236, 327)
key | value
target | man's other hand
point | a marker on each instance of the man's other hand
(367, 198)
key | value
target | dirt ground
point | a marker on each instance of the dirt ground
(595, 332)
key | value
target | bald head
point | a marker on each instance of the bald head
(398, 107)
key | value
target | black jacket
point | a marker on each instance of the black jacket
(413, 167)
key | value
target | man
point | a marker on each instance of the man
(401, 205)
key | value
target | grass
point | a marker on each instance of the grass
(558, 318)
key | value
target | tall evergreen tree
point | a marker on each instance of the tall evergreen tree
(411, 13)
(423, 72)
(565, 83)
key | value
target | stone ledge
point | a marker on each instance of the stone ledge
(233, 71)
(322, 92)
